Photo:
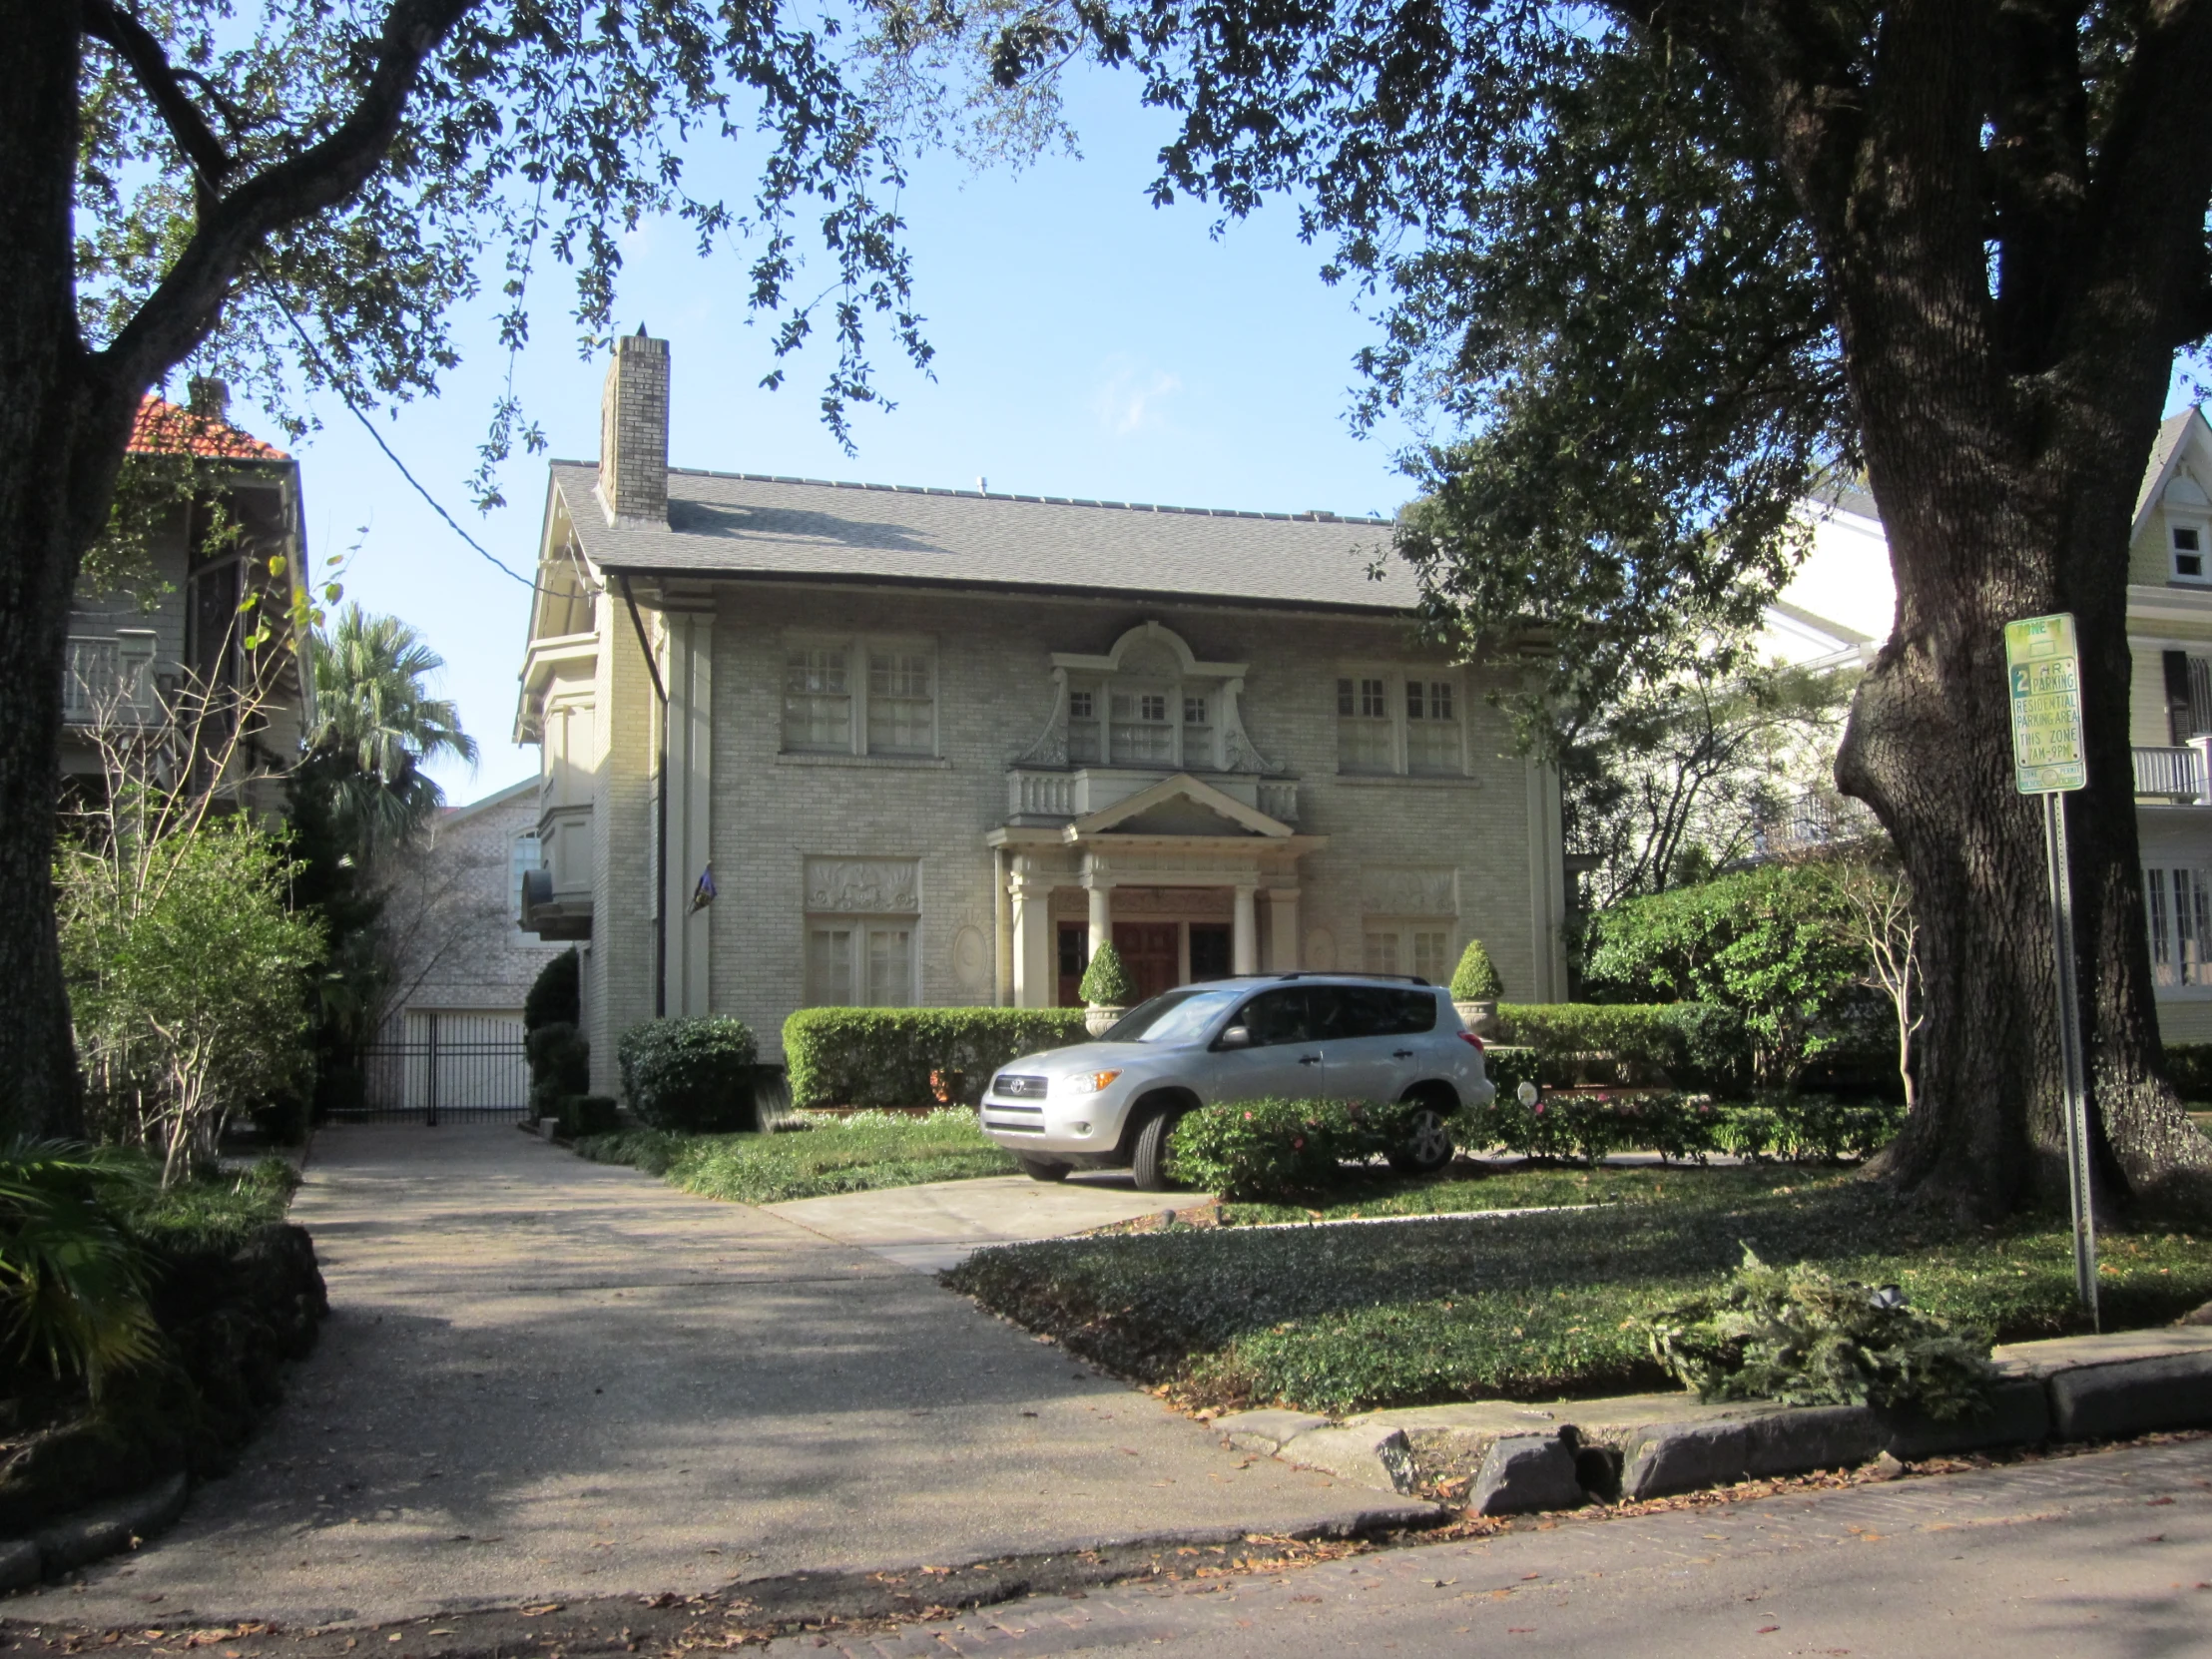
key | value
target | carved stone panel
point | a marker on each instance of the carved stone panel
(872, 887)
(1409, 891)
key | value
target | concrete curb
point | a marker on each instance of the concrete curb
(1656, 1445)
(88, 1535)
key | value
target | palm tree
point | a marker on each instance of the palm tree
(376, 727)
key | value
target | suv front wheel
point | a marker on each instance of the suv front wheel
(1148, 1158)
(1427, 1144)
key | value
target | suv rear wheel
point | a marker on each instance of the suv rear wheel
(1427, 1144)
(1148, 1161)
(1042, 1169)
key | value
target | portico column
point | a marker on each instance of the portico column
(1102, 912)
(1282, 929)
(1243, 940)
(1035, 982)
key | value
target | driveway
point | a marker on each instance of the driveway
(941, 1225)
(544, 1378)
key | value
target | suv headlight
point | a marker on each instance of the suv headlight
(1089, 1082)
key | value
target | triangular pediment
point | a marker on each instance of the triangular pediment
(1180, 805)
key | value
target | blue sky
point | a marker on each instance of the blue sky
(1087, 343)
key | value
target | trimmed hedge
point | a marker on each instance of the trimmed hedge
(560, 1065)
(556, 995)
(587, 1114)
(888, 1056)
(1691, 1044)
(692, 1075)
(1277, 1149)
(2189, 1069)
(1106, 983)
(1475, 979)
(1680, 1127)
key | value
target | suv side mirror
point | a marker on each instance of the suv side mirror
(1237, 1036)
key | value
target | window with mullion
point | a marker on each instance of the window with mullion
(902, 713)
(1365, 740)
(2177, 904)
(1431, 729)
(817, 700)
(1141, 732)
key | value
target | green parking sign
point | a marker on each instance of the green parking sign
(2045, 668)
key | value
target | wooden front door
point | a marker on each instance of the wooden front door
(1151, 951)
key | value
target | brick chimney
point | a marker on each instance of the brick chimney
(633, 435)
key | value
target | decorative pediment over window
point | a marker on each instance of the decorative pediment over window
(1181, 805)
(1148, 701)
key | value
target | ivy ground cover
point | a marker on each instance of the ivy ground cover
(860, 1153)
(1530, 1307)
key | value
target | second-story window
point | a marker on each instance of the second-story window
(902, 715)
(1393, 722)
(817, 700)
(1141, 732)
(1083, 727)
(859, 697)
(1431, 728)
(1364, 741)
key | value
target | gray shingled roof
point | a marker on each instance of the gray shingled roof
(742, 524)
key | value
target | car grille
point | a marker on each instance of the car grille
(1020, 1120)
(1009, 1087)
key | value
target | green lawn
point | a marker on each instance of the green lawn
(859, 1153)
(1342, 1318)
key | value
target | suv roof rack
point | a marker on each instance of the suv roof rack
(1348, 973)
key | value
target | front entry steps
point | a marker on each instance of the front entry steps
(1516, 1458)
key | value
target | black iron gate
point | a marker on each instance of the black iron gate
(448, 1067)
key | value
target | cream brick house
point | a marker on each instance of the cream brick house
(831, 744)
(1842, 604)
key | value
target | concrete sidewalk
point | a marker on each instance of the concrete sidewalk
(941, 1225)
(544, 1378)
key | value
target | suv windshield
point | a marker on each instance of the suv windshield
(1171, 1017)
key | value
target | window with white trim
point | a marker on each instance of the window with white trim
(1390, 721)
(1422, 948)
(523, 855)
(2177, 904)
(1364, 738)
(859, 697)
(2187, 545)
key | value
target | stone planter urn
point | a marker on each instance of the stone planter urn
(1099, 1017)
(1480, 1017)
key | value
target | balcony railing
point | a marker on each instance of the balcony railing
(1043, 794)
(2170, 773)
(109, 678)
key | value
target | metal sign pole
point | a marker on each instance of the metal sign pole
(2042, 664)
(2070, 1055)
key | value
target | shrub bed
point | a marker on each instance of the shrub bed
(2189, 1069)
(1275, 1149)
(1693, 1045)
(694, 1076)
(907, 1056)
(234, 1294)
(1532, 1306)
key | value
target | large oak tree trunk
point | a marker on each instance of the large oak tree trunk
(60, 442)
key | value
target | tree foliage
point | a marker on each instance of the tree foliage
(1772, 944)
(377, 727)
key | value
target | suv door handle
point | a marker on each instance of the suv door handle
(1309, 1059)
(1401, 1054)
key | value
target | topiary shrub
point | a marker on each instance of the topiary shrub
(556, 996)
(560, 1065)
(1796, 1336)
(587, 1114)
(1106, 983)
(888, 1056)
(689, 1075)
(1278, 1149)
(1476, 978)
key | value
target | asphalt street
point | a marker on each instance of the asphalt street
(2104, 1556)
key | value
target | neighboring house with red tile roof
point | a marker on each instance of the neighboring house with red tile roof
(137, 658)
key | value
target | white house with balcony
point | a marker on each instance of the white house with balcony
(811, 743)
(166, 668)
(1841, 605)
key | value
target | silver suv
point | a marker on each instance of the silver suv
(1113, 1103)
